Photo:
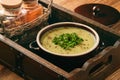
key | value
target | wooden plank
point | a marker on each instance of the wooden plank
(116, 27)
(117, 5)
(72, 4)
(6, 74)
(114, 76)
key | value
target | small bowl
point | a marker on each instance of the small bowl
(70, 24)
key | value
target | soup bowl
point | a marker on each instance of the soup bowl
(86, 39)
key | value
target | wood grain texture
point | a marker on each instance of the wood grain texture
(72, 4)
(114, 76)
(6, 74)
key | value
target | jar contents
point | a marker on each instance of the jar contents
(30, 4)
(33, 8)
(13, 12)
(19, 12)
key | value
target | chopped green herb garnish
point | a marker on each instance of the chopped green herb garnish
(67, 40)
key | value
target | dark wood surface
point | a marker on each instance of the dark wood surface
(72, 4)
(6, 74)
(114, 76)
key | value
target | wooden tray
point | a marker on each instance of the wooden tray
(34, 65)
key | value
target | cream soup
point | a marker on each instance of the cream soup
(89, 40)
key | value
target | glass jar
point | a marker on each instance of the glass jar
(30, 4)
(33, 8)
(18, 21)
(13, 13)
(11, 7)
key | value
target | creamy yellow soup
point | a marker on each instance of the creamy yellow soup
(89, 40)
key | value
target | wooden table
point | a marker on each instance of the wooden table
(72, 4)
(6, 74)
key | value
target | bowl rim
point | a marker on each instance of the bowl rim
(68, 55)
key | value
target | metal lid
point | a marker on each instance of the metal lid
(8, 4)
(99, 12)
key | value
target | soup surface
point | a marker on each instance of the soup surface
(88, 40)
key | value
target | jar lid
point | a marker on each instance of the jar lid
(99, 12)
(11, 3)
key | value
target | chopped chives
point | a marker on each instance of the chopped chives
(67, 40)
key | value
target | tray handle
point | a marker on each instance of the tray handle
(103, 61)
(100, 66)
(98, 63)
